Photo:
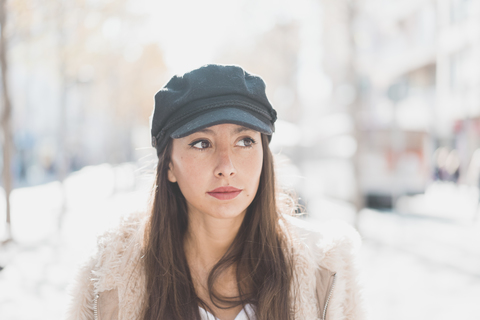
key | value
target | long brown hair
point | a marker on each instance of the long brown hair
(264, 270)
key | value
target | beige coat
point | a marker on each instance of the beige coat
(111, 284)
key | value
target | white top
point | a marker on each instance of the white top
(247, 313)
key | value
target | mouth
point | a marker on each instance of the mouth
(225, 193)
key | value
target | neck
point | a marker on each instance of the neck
(208, 239)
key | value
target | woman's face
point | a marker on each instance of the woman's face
(218, 169)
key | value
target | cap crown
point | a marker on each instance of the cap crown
(211, 86)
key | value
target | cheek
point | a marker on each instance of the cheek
(188, 171)
(252, 169)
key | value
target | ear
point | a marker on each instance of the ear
(171, 176)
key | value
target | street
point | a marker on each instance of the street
(418, 268)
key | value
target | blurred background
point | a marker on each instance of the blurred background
(379, 126)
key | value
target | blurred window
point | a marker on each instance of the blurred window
(459, 10)
(461, 71)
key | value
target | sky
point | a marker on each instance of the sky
(192, 32)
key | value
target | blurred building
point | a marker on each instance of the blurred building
(458, 80)
(415, 65)
(395, 44)
(367, 90)
(82, 87)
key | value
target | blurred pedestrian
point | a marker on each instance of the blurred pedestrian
(452, 166)
(440, 157)
(473, 171)
(216, 242)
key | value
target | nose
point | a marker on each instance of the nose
(225, 167)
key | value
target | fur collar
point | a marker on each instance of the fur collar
(117, 265)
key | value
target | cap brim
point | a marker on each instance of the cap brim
(219, 116)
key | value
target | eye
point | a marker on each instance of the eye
(200, 144)
(246, 142)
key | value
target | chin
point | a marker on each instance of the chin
(227, 211)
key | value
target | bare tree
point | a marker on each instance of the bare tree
(62, 127)
(76, 27)
(6, 117)
(339, 64)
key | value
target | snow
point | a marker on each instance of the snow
(42, 261)
(413, 266)
(420, 268)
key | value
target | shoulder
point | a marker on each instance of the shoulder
(117, 250)
(326, 241)
(110, 267)
(124, 234)
(333, 247)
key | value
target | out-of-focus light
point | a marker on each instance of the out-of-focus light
(86, 73)
(413, 114)
(95, 43)
(345, 94)
(111, 28)
(313, 87)
(132, 53)
(286, 134)
(384, 112)
(287, 173)
(343, 146)
(363, 40)
(283, 97)
(326, 127)
(92, 20)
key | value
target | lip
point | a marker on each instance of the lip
(225, 193)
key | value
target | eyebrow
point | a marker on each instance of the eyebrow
(236, 131)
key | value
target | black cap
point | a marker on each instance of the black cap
(211, 95)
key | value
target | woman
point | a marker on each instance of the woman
(217, 243)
